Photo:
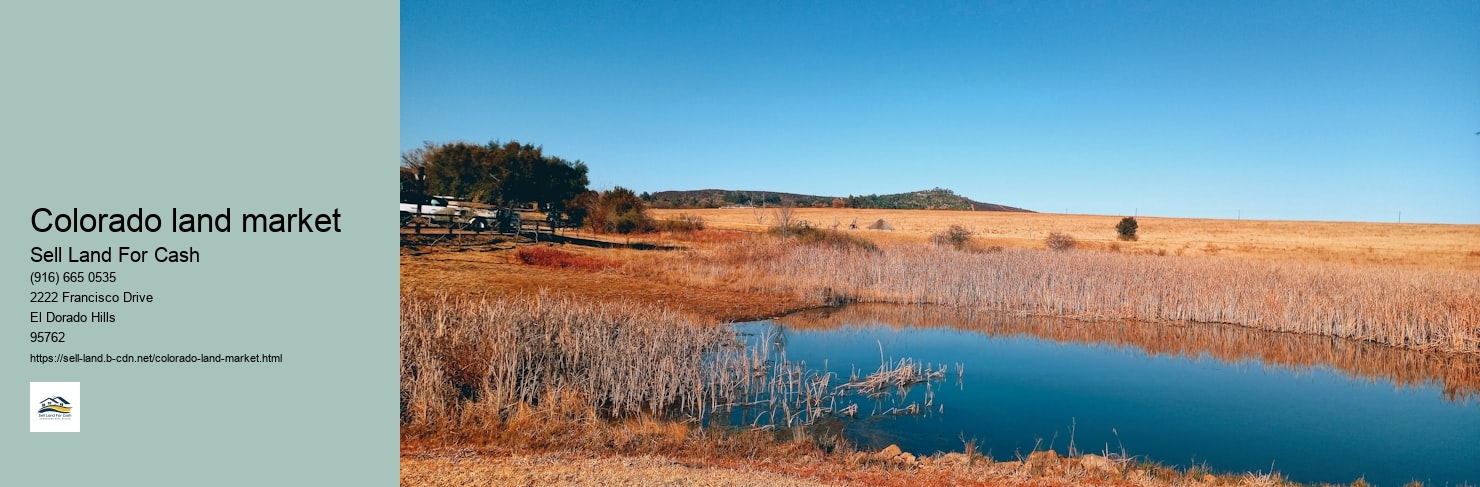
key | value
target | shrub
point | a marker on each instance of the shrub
(827, 238)
(1060, 241)
(580, 206)
(1126, 228)
(685, 223)
(956, 236)
(619, 211)
(630, 222)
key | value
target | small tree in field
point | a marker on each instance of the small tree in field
(956, 236)
(1126, 228)
(1060, 241)
(784, 218)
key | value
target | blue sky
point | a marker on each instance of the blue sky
(1270, 110)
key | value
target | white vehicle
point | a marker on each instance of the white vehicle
(442, 210)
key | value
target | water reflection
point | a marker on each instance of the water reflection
(1456, 375)
(1318, 409)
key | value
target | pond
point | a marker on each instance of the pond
(1231, 399)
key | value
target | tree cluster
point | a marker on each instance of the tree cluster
(931, 199)
(500, 174)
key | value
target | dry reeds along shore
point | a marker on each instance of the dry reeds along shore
(465, 361)
(1421, 309)
(468, 362)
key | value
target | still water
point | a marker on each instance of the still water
(1235, 400)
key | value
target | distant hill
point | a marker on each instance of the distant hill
(930, 199)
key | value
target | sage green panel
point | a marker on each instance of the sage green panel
(203, 108)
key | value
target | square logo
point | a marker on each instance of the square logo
(56, 407)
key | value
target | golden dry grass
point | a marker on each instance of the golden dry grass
(1385, 244)
(1419, 308)
(496, 268)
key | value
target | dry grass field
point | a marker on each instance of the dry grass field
(1405, 245)
(499, 270)
(511, 350)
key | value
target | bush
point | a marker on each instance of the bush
(579, 207)
(1126, 228)
(619, 211)
(956, 236)
(830, 238)
(630, 222)
(1060, 241)
(685, 223)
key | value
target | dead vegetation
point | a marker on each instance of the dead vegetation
(465, 362)
(1060, 242)
(1410, 308)
(955, 236)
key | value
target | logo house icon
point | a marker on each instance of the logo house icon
(55, 404)
(55, 407)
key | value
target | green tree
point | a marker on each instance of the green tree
(459, 169)
(508, 173)
(1126, 228)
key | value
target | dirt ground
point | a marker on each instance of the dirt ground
(575, 469)
(470, 467)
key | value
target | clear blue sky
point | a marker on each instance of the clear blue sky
(1277, 110)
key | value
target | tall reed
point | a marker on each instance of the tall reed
(1410, 308)
(468, 359)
